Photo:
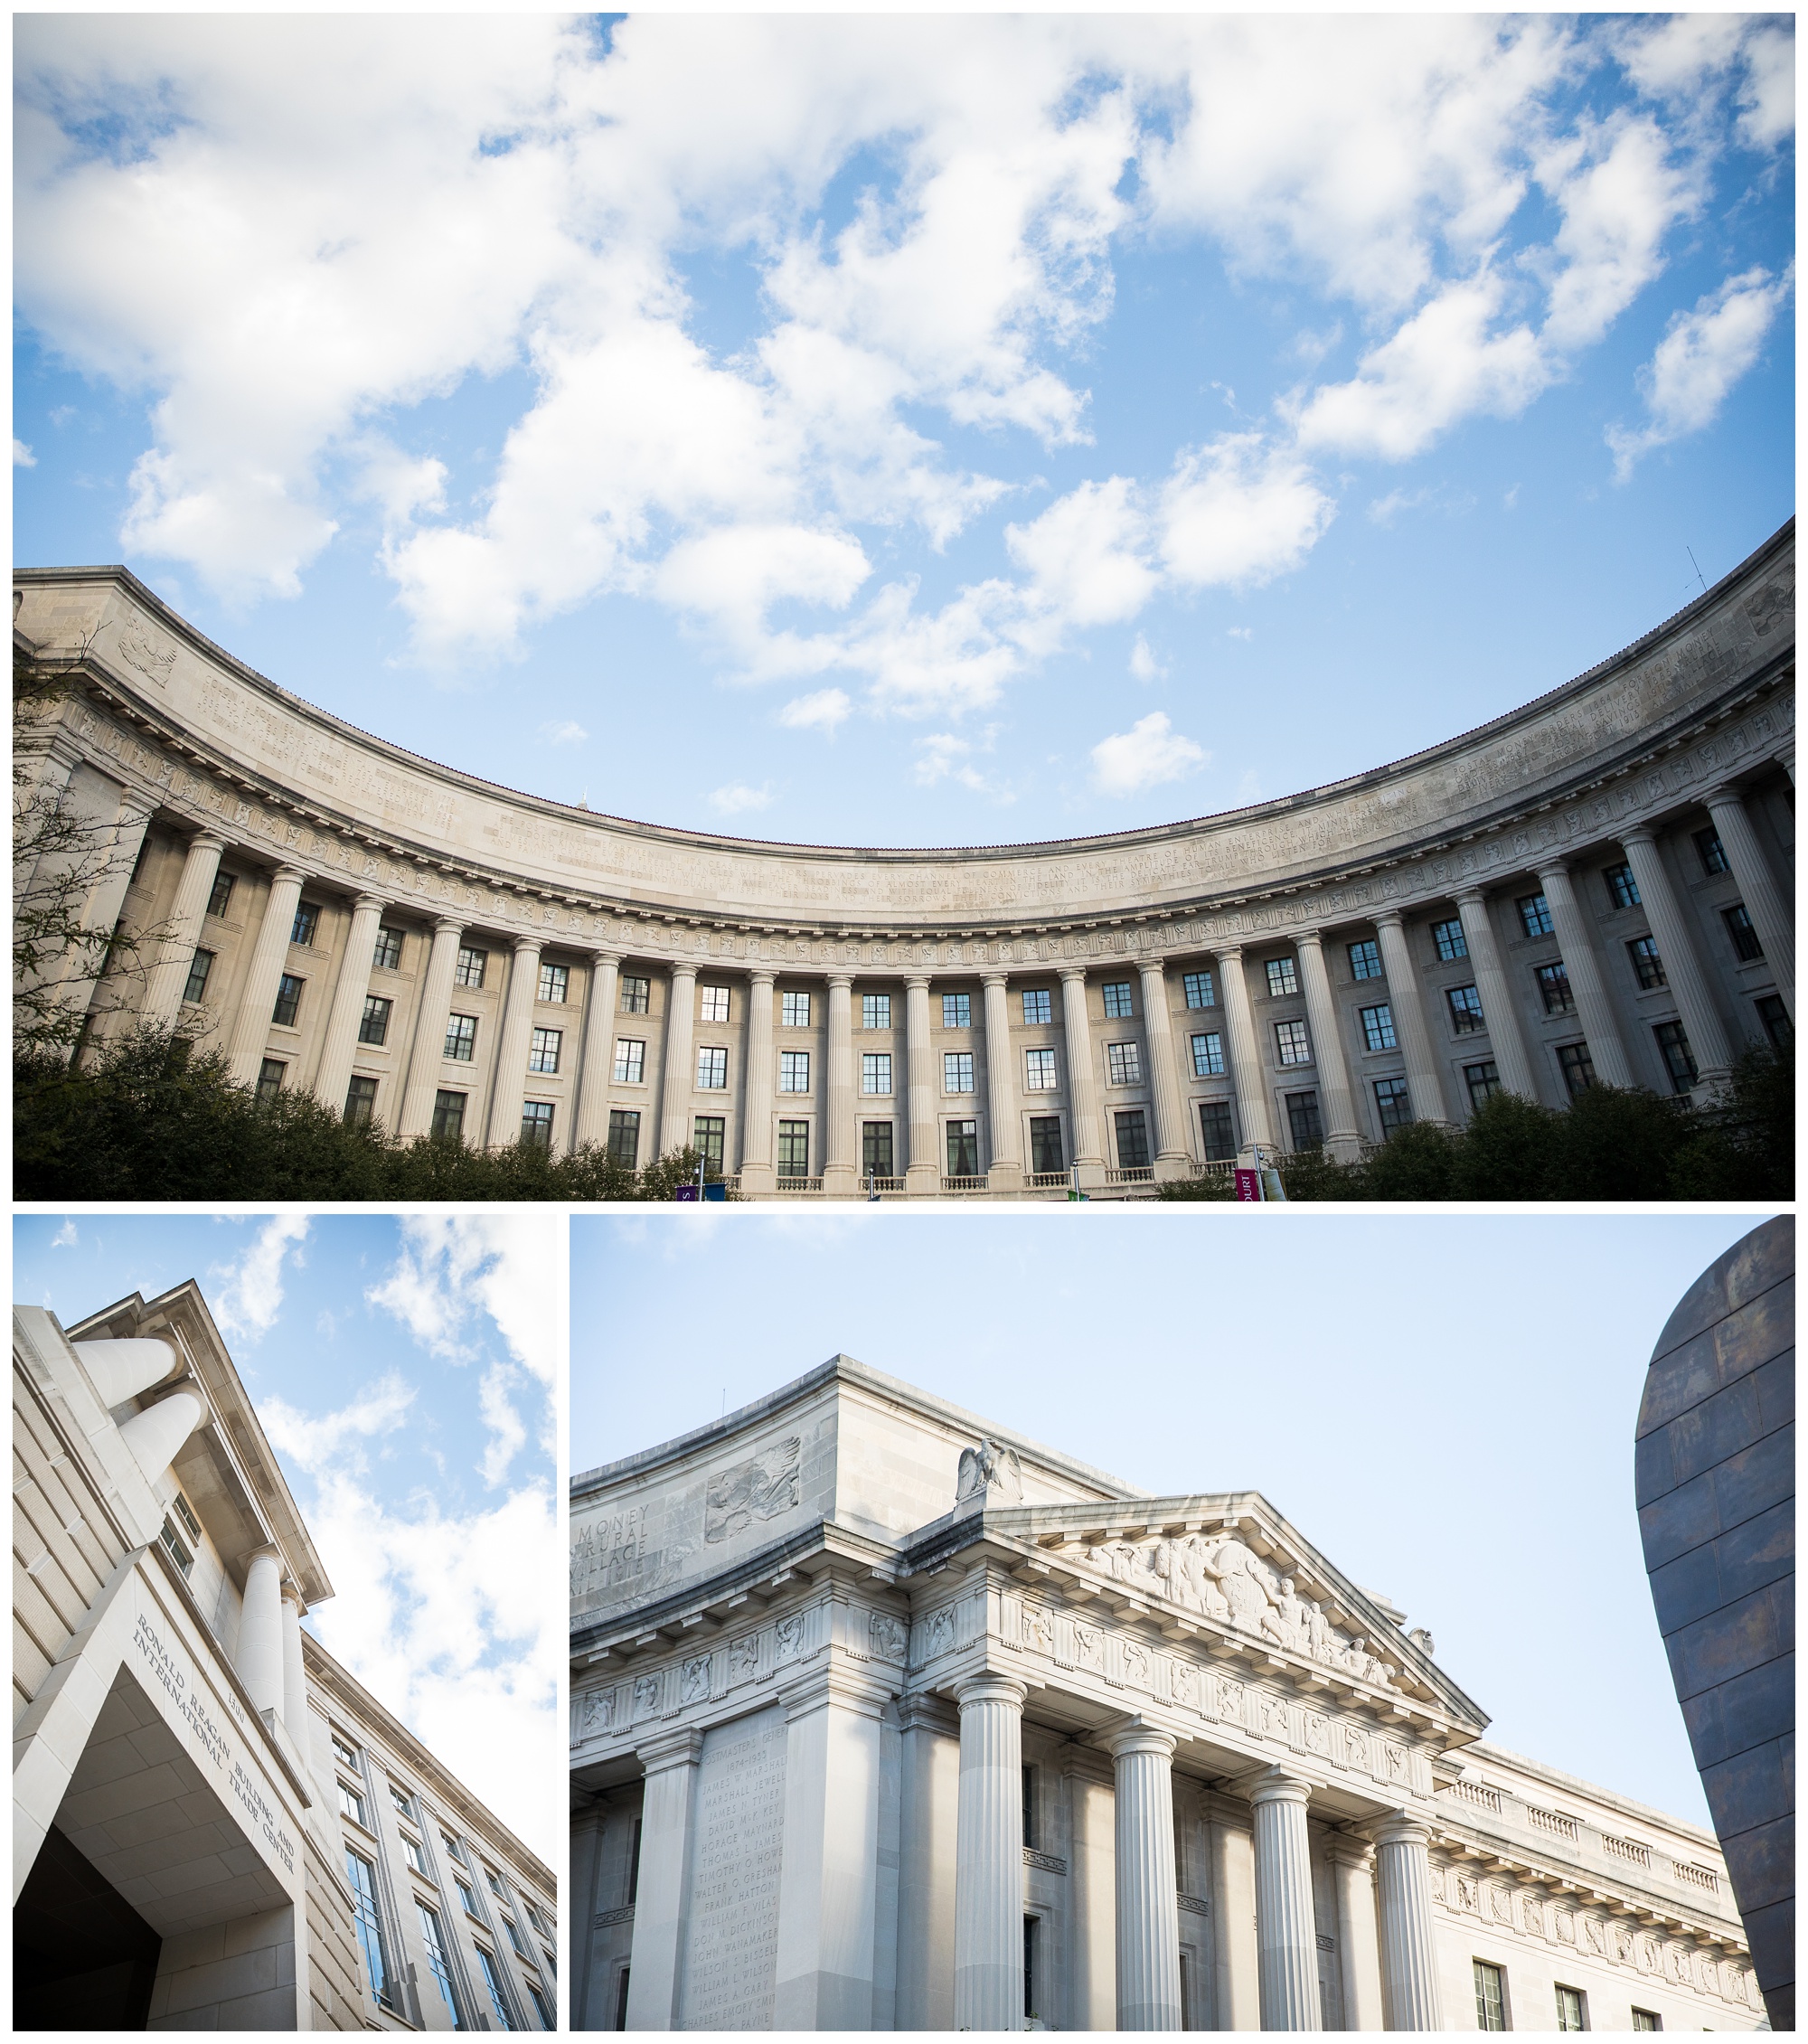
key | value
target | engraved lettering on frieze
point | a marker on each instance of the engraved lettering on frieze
(608, 1551)
(760, 1488)
(695, 1688)
(887, 1636)
(787, 1638)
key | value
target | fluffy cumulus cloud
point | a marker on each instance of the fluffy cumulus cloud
(288, 233)
(247, 1294)
(1149, 753)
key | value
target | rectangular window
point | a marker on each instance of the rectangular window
(1281, 978)
(1306, 1128)
(630, 1061)
(492, 1979)
(536, 1123)
(957, 1011)
(1199, 990)
(1646, 963)
(1449, 939)
(795, 1010)
(1569, 2008)
(875, 1011)
(1029, 2010)
(416, 1855)
(1577, 1067)
(1186, 1992)
(514, 1936)
(708, 1133)
(624, 1137)
(1116, 994)
(1534, 914)
(543, 1050)
(177, 1547)
(1392, 1105)
(555, 982)
(621, 1999)
(1482, 1080)
(288, 1000)
(1465, 1010)
(1032, 1843)
(1553, 986)
(1646, 2019)
(470, 970)
(713, 1004)
(1679, 1060)
(1365, 960)
(712, 1067)
(1045, 1142)
(1377, 1027)
(1713, 858)
(270, 1078)
(199, 966)
(453, 1849)
(1039, 1071)
(461, 1038)
(370, 1929)
(956, 1071)
(1290, 1043)
(1207, 1056)
(386, 955)
(541, 2007)
(306, 921)
(1774, 1017)
(494, 1885)
(1132, 1140)
(1216, 1132)
(343, 1754)
(373, 1026)
(793, 1149)
(434, 1938)
(794, 1071)
(1123, 1065)
(1621, 888)
(187, 1515)
(467, 1897)
(1491, 2001)
(963, 1149)
(875, 1072)
(360, 1103)
(221, 894)
(1746, 946)
(351, 1804)
(1038, 1004)
(448, 1116)
(636, 993)
(875, 1149)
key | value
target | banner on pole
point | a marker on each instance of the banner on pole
(1248, 1184)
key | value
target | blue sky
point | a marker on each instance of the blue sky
(920, 429)
(1444, 1404)
(404, 1370)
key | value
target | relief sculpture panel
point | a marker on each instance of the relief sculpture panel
(762, 1487)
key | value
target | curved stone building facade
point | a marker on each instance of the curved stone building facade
(1596, 887)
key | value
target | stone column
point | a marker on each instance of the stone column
(1236, 1969)
(1408, 1947)
(1606, 1052)
(756, 1124)
(259, 1660)
(1148, 1916)
(258, 1000)
(164, 982)
(1342, 1138)
(1089, 1144)
(1423, 1088)
(1676, 948)
(1004, 1173)
(591, 1124)
(508, 1087)
(1763, 902)
(1092, 1871)
(671, 1790)
(120, 1368)
(923, 1167)
(1174, 1158)
(1499, 1010)
(295, 1668)
(679, 1081)
(80, 977)
(428, 1054)
(839, 1161)
(1358, 1962)
(1287, 1932)
(1245, 1063)
(989, 1856)
(930, 1820)
(340, 1047)
(155, 1435)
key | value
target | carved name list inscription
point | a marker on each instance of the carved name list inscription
(732, 1922)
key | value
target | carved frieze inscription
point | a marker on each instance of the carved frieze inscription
(731, 1914)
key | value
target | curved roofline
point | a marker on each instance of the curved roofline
(1678, 622)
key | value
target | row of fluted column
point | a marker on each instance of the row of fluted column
(989, 1890)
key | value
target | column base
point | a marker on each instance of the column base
(922, 1181)
(839, 1182)
(1171, 1166)
(1343, 1148)
(1004, 1178)
(1090, 1172)
(757, 1182)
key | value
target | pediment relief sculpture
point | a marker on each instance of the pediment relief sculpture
(760, 1488)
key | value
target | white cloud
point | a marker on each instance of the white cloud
(1144, 664)
(22, 456)
(1244, 632)
(501, 1422)
(564, 732)
(65, 1236)
(453, 1266)
(247, 1296)
(1149, 753)
(825, 711)
(1239, 512)
(944, 756)
(317, 1444)
(1083, 555)
(1703, 353)
(737, 798)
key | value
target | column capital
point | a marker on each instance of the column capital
(992, 1688)
(1069, 974)
(840, 981)
(1139, 1738)
(1314, 938)
(1402, 1827)
(762, 975)
(916, 983)
(1228, 950)
(287, 872)
(600, 955)
(994, 978)
(443, 923)
(368, 901)
(1722, 792)
(1639, 833)
(670, 1749)
(681, 968)
(1277, 1786)
(1387, 918)
(1557, 864)
(207, 841)
(1472, 891)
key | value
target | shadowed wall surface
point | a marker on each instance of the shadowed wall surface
(1716, 1481)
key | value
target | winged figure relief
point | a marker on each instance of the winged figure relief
(760, 1488)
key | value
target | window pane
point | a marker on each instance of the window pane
(875, 1149)
(360, 1103)
(449, 1115)
(1466, 1009)
(1746, 946)
(875, 1011)
(1482, 1080)
(1124, 1064)
(199, 966)
(553, 982)
(306, 921)
(536, 1123)
(1646, 963)
(1774, 1017)
(1449, 939)
(1132, 1139)
(708, 1133)
(963, 1149)
(1038, 1005)
(713, 1004)
(1393, 1104)
(712, 1067)
(470, 970)
(957, 1072)
(793, 1149)
(1679, 1060)
(957, 1011)
(363, 1882)
(461, 1038)
(630, 1059)
(624, 1137)
(794, 1071)
(387, 955)
(875, 1072)
(1199, 990)
(1117, 1000)
(1621, 888)
(270, 1078)
(1290, 1043)
(221, 895)
(1713, 859)
(1039, 1071)
(795, 1010)
(1365, 960)
(374, 1028)
(1282, 977)
(1534, 915)
(1216, 1132)
(1045, 1142)
(1303, 1122)
(1207, 1056)
(288, 1000)
(636, 994)
(1577, 1067)
(1377, 1027)
(1553, 985)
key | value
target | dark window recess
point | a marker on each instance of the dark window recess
(1132, 1140)
(270, 1078)
(636, 994)
(536, 1123)
(1746, 946)
(625, 1135)
(288, 1000)
(1029, 1837)
(1713, 855)
(1482, 1080)
(386, 957)
(1490, 2004)
(199, 966)
(1216, 1131)
(875, 1149)
(448, 1116)
(1553, 986)
(1465, 1010)
(1450, 940)
(1621, 888)
(470, 970)
(1117, 992)
(221, 896)
(621, 2000)
(1679, 1059)
(306, 921)
(360, 1103)
(963, 1149)
(1302, 1121)
(1534, 915)
(1031, 1927)
(707, 1133)
(374, 1025)
(1577, 1067)
(1393, 1104)
(1365, 958)
(1646, 963)
(634, 1864)
(1045, 1144)
(1774, 1017)
(793, 1149)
